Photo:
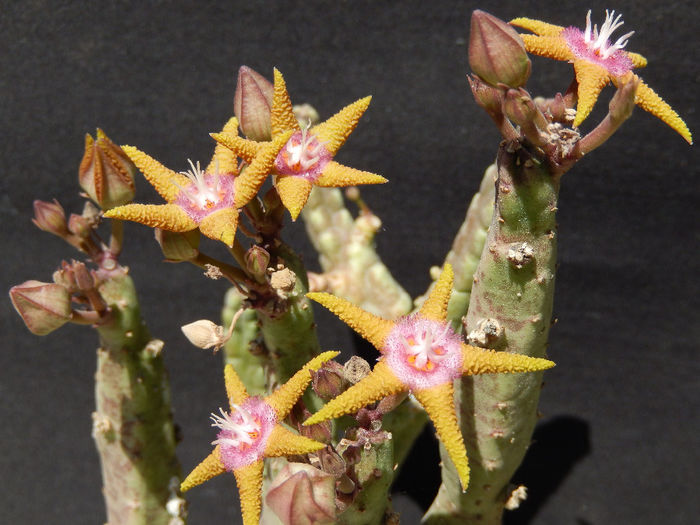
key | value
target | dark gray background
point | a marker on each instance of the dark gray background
(618, 439)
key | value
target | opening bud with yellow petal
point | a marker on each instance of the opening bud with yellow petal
(43, 307)
(301, 493)
(496, 51)
(178, 247)
(252, 102)
(106, 174)
(50, 217)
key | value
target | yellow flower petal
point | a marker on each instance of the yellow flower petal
(337, 175)
(283, 399)
(220, 225)
(648, 100)
(207, 469)
(536, 26)
(160, 177)
(591, 79)
(637, 59)
(371, 327)
(379, 383)
(282, 115)
(224, 160)
(235, 389)
(165, 216)
(548, 46)
(439, 404)
(249, 481)
(244, 148)
(294, 192)
(282, 442)
(479, 361)
(248, 183)
(335, 131)
(435, 306)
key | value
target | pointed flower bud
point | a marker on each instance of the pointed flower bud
(44, 307)
(106, 174)
(178, 247)
(496, 51)
(252, 103)
(301, 493)
(257, 260)
(329, 381)
(50, 217)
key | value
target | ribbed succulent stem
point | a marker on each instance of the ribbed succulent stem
(514, 286)
(133, 425)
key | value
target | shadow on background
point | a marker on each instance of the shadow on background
(557, 446)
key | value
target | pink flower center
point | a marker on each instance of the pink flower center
(594, 45)
(205, 193)
(303, 156)
(244, 432)
(423, 353)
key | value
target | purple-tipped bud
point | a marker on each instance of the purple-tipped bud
(252, 103)
(79, 225)
(178, 247)
(496, 51)
(43, 307)
(301, 493)
(257, 260)
(106, 174)
(329, 381)
(50, 217)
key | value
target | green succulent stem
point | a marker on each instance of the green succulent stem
(133, 424)
(513, 286)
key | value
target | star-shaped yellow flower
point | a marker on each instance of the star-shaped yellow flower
(250, 432)
(423, 355)
(207, 199)
(597, 62)
(306, 158)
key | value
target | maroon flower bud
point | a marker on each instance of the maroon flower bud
(106, 173)
(329, 381)
(252, 103)
(43, 307)
(301, 493)
(257, 259)
(50, 217)
(178, 247)
(496, 51)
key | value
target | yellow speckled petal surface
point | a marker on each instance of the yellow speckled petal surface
(379, 383)
(439, 404)
(335, 131)
(224, 159)
(537, 26)
(637, 59)
(283, 399)
(282, 114)
(591, 78)
(435, 306)
(235, 389)
(249, 481)
(209, 468)
(282, 442)
(548, 46)
(160, 177)
(371, 327)
(648, 100)
(337, 175)
(166, 216)
(479, 361)
(294, 192)
(244, 148)
(220, 225)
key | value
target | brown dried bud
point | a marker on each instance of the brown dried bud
(50, 217)
(252, 103)
(329, 381)
(257, 259)
(106, 174)
(178, 247)
(301, 493)
(496, 51)
(44, 307)
(355, 369)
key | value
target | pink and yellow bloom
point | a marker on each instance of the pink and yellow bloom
(250, 432)
(306, 158)
(597, 61)
(423, 355)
